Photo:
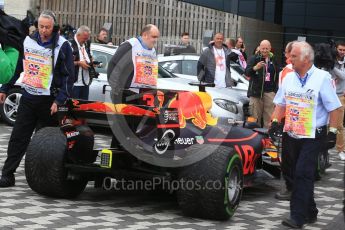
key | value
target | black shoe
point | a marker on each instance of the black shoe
(328, 165)
(283, 194)
(311, 220)
(291, 223)
(7, 181)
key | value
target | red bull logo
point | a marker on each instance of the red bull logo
(194, 106)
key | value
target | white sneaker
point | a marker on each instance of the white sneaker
(342, 156)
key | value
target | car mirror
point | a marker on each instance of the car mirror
(202, 85)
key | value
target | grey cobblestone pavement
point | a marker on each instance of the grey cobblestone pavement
(21, 208)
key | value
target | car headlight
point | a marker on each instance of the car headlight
(227, 105)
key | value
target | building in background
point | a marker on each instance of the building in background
(317, 20)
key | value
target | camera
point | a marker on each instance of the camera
(97, 64)
(92, 71)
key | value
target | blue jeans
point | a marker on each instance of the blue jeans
(80, 92)
(306, 151)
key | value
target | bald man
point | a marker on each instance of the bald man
(263, 72)
(133, 66)
(134, 58)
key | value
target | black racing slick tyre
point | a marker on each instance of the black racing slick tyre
(44, 166)
(217, 185)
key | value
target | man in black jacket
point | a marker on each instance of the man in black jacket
(102, 37)
(188, 48)
(48, 79)
(263, 83)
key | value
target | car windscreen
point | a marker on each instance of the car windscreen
(164, 73)
(101, 57)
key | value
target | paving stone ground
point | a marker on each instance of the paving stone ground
(21, 208)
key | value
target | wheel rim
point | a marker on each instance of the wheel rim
(234, 185)
(11, 106)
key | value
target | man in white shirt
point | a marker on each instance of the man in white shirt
(82, 60)
(213, 66)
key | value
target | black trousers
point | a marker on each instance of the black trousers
(30, 115)
(306, 151)
(288, 161)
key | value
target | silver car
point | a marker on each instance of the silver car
(185, 66)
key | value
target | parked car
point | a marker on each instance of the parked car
(230, 103)
(8, 110)
(185, 66)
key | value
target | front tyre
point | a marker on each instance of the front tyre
(44, 165)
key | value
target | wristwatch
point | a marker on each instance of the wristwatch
(333, 130)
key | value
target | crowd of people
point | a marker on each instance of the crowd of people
(308, 99)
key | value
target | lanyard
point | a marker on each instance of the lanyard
(142, 43)
(82, 49)
(302, 80)
(219, 58)
(221, 52)
(266, 65)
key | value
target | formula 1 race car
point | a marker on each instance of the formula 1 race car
(164, 136)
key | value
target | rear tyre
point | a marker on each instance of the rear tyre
(218, 184)
(44, 165)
